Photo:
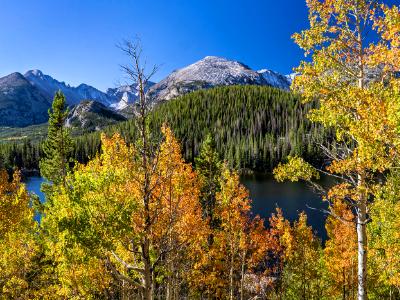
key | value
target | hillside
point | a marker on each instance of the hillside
(254, 127)
(21, 104)
(213, 71)
(48, 86)
(92, 116)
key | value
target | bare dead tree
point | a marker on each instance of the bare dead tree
(138, 74)
(149, 251)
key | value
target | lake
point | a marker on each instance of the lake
(292, 197)
(266, 195)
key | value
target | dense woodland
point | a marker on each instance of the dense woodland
(254, 127)
(203, 240)
(138, 221)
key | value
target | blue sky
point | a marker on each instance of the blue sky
(74, 40)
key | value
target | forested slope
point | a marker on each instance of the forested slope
(254, 127)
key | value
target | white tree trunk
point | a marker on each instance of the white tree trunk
(362, 251)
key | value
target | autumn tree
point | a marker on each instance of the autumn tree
(17, 244)
(178, 213)
(298, 258)
(99, 222)
(384, 241)
(239, 243)
(90, 208)
(354, 48)
(340, 252)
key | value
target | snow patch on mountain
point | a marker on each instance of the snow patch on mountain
(275, 79)
(92, 116)
(126, 95)
(210, 72)
(48, 86)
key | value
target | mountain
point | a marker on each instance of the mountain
(21, 104)
(91, 115)
(275, 79)
(213, 71)
(126, 95)
(209, 72)
(24, 99)
(48, 86)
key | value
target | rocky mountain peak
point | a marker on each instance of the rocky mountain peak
(92, 115)
(213, 71)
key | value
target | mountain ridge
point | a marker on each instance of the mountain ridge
(21, 104)
(212, 71)
(91, 115)
(39, 88)
(48, 85)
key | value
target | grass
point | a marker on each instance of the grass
(15, 134)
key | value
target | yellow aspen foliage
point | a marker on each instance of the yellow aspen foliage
(294, 170)
(14, 205)
(384, 242)
(353, 73)
(119, 220)
(78, 219)
(239, 244)
(298, 256)
(340, 252)
(17, 244)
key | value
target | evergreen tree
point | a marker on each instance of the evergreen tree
(254, 127)
(57, 148)
(208, 166)
(2, 162)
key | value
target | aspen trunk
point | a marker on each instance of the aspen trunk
(362, 206)
(344, 284)
(148, 274)
(362, 251)
(242, 276)
(231, 280)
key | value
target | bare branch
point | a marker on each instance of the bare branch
(122, 277)
(126, 265)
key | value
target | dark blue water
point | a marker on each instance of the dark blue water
(266, 195)
(291, 197)
(33, 186)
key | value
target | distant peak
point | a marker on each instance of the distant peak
(34, 72)
(15, 75)
(83, 86)
(219, 60)
(215, 58)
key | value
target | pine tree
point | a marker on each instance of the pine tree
(208, 166)
(57, 148)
